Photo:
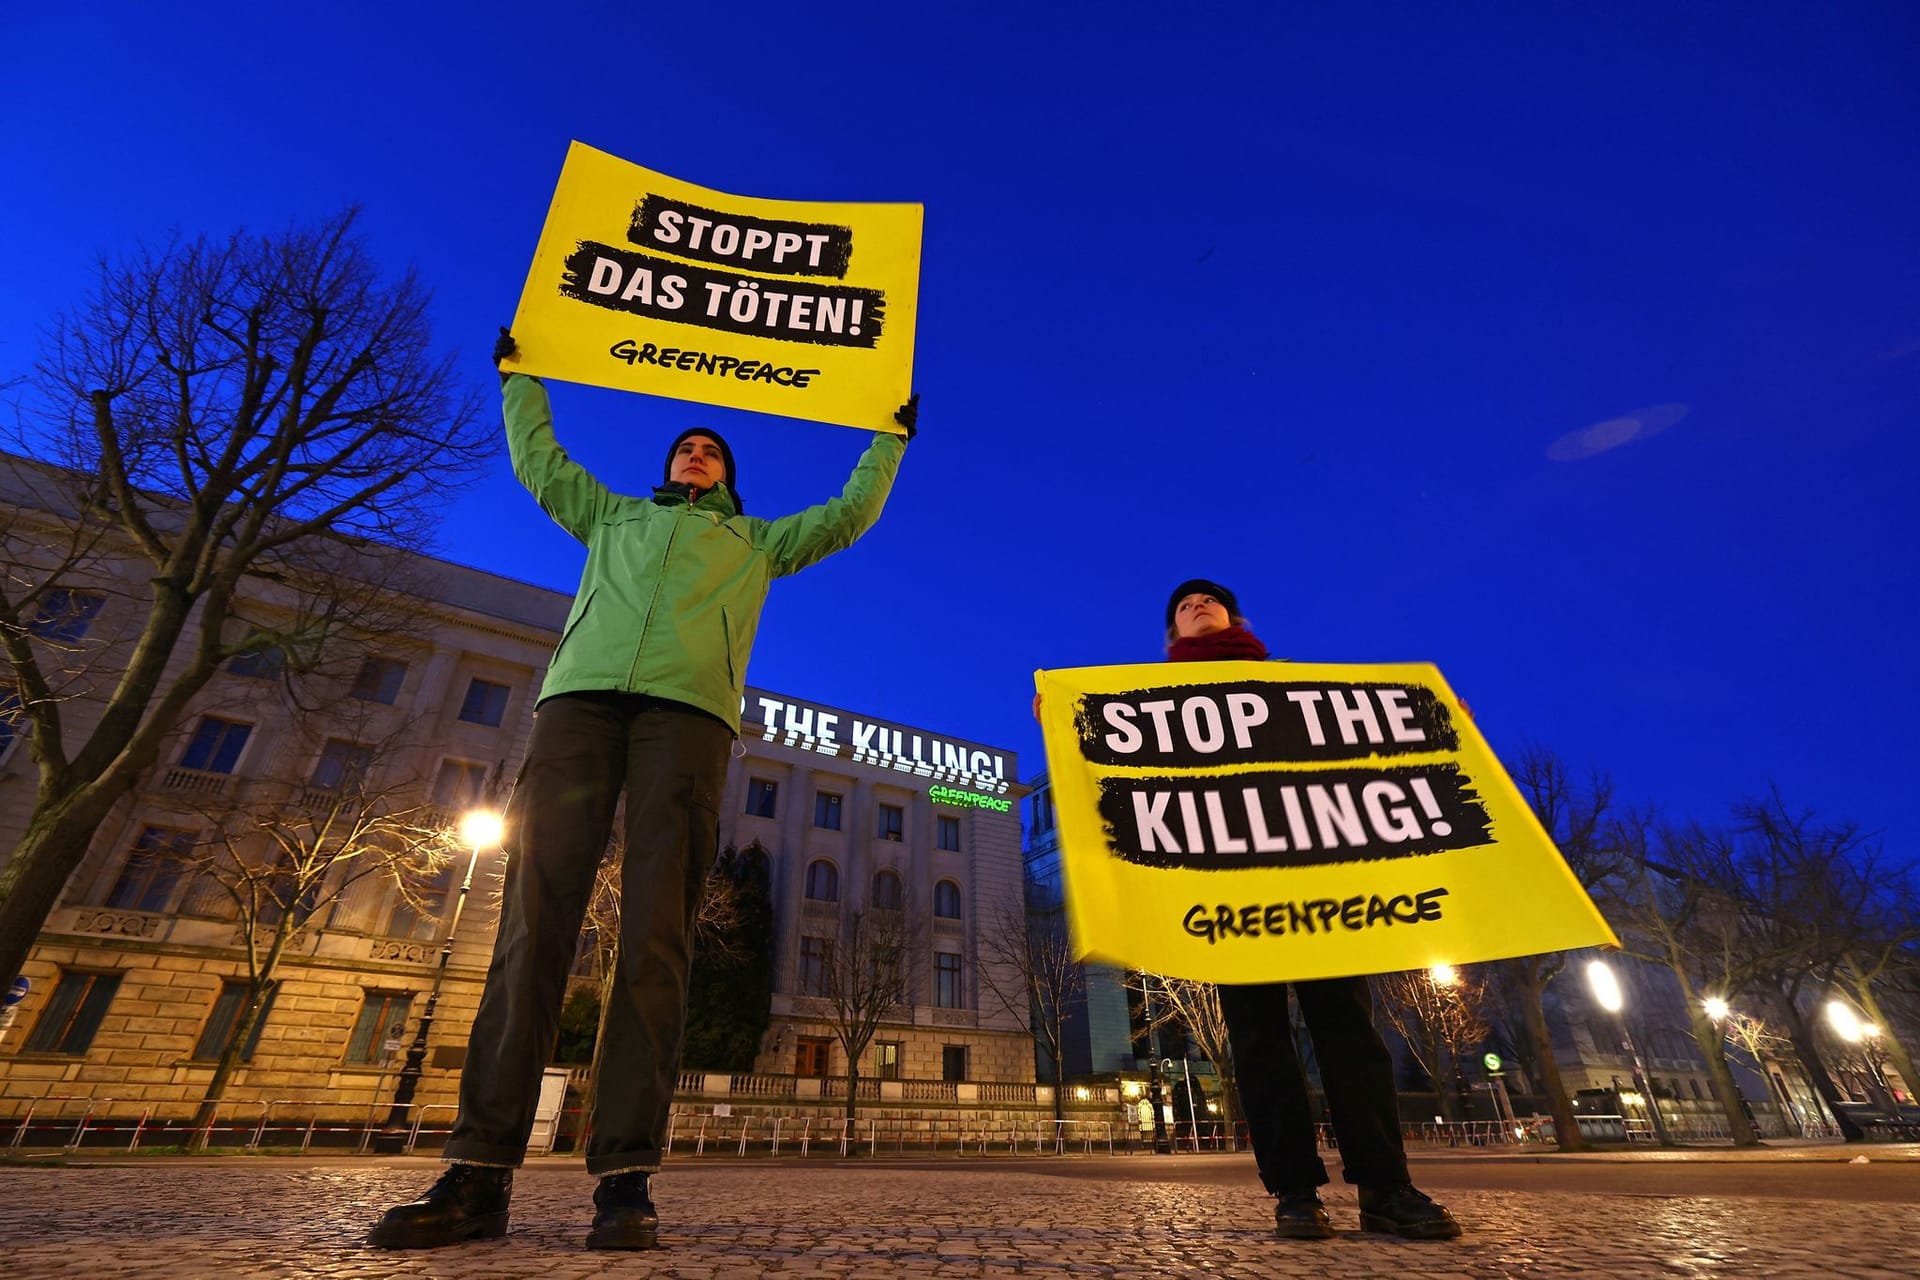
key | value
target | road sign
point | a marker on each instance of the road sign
(1491, 1062)
(17, 992)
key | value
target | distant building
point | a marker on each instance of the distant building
(1098, 1034)
(858, 813)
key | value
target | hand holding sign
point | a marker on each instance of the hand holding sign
(1251, 822)
(645, 283)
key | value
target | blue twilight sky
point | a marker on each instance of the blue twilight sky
(1335, 303)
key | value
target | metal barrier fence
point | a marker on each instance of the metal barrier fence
(696, 1131)
(1477, 1133)
(68, 1121)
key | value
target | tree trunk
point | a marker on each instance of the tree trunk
(1437, 1076)
(56, 840)
(229, 1062)
(853, 1088)
(1803, 1044)
(1533, 1013)
(1902, 1060)
(1713, 1047)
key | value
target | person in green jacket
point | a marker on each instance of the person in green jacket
(643, 695)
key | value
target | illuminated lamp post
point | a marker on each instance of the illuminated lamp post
(479, 830)
(1863, 1035)
(1606, 990)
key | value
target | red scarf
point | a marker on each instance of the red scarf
(1234, 643)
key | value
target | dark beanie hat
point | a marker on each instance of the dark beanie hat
(1194, 585)
(726, 456)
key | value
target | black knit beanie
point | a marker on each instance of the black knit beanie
(1213, 589)
(726, 456)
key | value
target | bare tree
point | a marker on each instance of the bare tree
(869, 972)
(1691, 911)
(290, 848)
(1824, 910)
(1575, 817)
(1194, 1008)
(1439, 1017)
(1029, 967)
(242, 418)
(1876, 909)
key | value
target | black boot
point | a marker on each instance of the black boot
(1301, 1216)
(1402, 1211)
(626, 1219)
(468, 1203)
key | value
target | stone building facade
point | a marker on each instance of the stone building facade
(133, 985)
(860, 812)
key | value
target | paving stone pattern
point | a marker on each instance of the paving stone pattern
(270, 1218)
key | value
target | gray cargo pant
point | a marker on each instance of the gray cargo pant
(672, 762)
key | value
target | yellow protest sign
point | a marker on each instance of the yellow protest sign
(1265, 822)
(642, 282)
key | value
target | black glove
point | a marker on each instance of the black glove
(906, 415)
(503, 347)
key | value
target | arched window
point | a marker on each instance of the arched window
(823, 881)
(886, 892)
(946, 900)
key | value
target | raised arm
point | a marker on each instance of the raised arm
(807, 537)
(564, 489)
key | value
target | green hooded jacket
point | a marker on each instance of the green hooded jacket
(670, 599)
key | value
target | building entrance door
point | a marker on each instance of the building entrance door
(810, 1056)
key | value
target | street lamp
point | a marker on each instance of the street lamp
(1847, 1025)
(1606, 989)
(1717, 1009)
(1443, 975)
(479, 830)
(1845, 1022)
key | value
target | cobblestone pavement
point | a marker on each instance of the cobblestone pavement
(307, 1217)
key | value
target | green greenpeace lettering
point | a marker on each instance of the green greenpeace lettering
(968, 799)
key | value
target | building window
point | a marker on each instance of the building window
(409, 921)
(73, 1013)
(63, 616)
(949, 833)
(761, 795)
(823, 881)
(379, 680)
(886, 1059)
(261, 664)
(816, 957)
(888, 980)
(225, 1020)
(893, 821)
(343, 766)
(810, 1055)
(953, 1062)
(216, 745)
(382, 1018)
(486, 703)
(826, 810)
(153, 868)
(946, 900)
(886, 892)
(946, 981)
(1040, 811)
(460, 784)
